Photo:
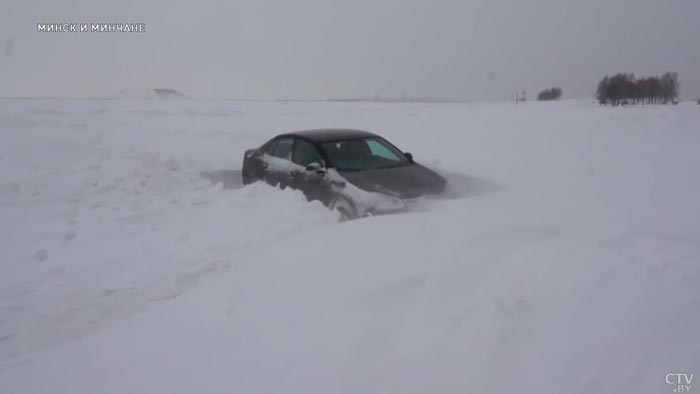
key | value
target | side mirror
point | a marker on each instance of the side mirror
(315, 168)
(408, 156)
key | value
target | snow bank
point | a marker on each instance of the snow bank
(566, 258)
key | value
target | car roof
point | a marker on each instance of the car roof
(329, 135)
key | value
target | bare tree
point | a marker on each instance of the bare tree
(624, 89)
(550, 94)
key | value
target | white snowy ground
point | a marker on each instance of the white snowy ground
(565, 260)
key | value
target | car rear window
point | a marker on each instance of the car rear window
(282, 148)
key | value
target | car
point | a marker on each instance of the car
(354, 172)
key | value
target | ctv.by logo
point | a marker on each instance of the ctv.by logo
(680, 381)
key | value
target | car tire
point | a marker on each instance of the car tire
(247, 174)
(345, 209)
(246, 177)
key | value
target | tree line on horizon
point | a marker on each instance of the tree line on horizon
(624, 89)
(550, 94)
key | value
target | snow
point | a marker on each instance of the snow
(564, 258)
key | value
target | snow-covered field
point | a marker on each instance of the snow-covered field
(565, 259)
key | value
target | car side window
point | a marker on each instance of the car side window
(305, 153)
(283, 148)
(378, 149)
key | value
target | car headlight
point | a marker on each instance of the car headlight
(387, 203)
(383, 190)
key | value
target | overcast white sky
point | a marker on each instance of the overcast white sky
(466, 49)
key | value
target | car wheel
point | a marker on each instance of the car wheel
(246, 177)
(247, 174)
(343, 215)
(345, 209)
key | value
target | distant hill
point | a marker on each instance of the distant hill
(150, 94)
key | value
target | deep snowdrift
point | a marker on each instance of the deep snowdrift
(566, 257)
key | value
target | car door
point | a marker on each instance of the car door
(276, 161)
(312, 183)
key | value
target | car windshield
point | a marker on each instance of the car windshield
(363, 154)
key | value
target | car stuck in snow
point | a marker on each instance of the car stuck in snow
(354, 172)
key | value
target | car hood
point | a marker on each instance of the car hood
(407, 181)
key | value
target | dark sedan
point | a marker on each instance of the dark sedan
(355, 172)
